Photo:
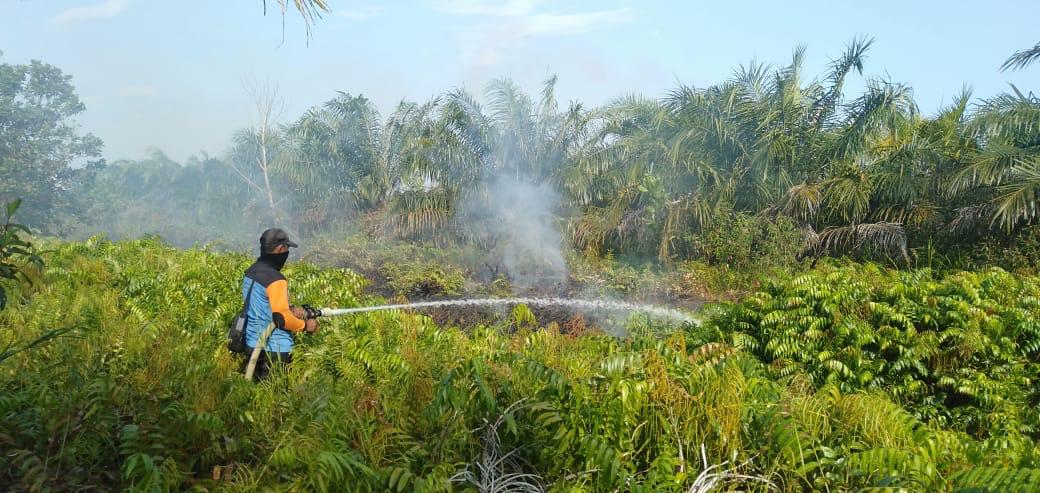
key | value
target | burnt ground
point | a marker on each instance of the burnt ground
(568, 319)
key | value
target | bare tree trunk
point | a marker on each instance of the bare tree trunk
(268, 108)
(266, 100)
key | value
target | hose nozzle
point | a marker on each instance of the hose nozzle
(311, 312)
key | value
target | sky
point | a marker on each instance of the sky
(173, 75)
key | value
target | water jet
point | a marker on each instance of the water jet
(653, 310)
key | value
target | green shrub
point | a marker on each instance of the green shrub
(742, 240)
(609, 276)
(958, 350)
(16, 251)
(147, 398)
(1020, 253)
(423, 279)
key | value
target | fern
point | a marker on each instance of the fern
(845, 378)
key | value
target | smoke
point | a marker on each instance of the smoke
(515, 220)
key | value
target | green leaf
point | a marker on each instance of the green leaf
(13, 206)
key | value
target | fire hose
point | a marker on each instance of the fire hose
(311, 312)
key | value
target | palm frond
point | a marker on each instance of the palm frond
(881, 105)
(848, 194)
(802, 202)
(310, 11)
(1022, 58)
(972, 218)
(887, 238)
(852, 59)
(1018, 202)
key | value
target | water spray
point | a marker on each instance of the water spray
(658, 311)
(311, 312)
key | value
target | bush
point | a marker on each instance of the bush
(741, 241)
(147, 398)
(423, 279)
(1020, 253)
(960, 351)
(608, 276)
(16, 251)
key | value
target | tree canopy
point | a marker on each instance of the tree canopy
(40, 143)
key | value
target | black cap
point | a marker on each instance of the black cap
(274, 237)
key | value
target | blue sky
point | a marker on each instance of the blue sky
(171, 74)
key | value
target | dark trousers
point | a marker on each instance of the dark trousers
(265, 362)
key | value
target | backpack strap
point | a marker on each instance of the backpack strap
(245, 307)
(249, 296)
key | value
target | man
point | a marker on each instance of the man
(266, 295)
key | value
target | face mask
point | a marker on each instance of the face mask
(276, 259)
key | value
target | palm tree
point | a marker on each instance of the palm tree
(612, 178)
(913, 162)
(761, 142)
(344, 159)
(467, 148)
(1003, 177)
(330, 158)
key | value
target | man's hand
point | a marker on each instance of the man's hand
(311, 326)
(298, 311)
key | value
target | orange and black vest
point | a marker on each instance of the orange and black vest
(266, 295)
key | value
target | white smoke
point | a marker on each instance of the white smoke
(516, 220)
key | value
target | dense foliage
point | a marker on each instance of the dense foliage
(39, 140)
(959, 350)
(16, 250)
(694, 175)
(18, 257)
(146, 397)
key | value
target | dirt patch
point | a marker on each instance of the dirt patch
(568, 319)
